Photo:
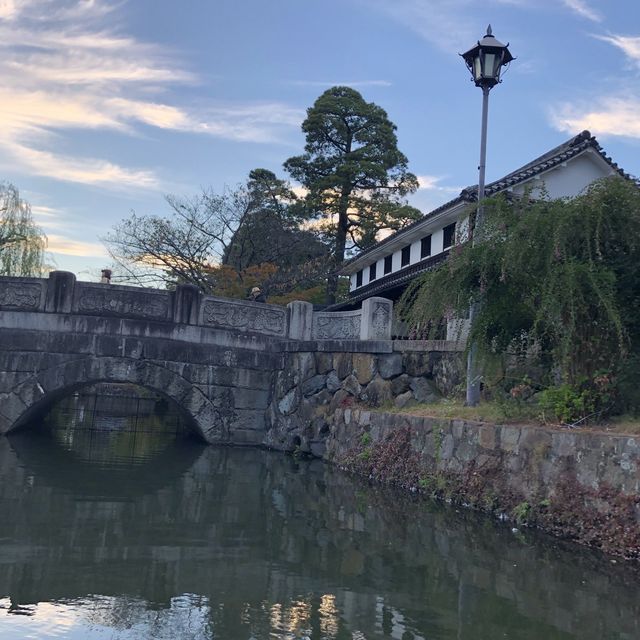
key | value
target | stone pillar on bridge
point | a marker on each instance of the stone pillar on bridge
(60, 288)
(186, 304)
(300, 320)
(376, 320)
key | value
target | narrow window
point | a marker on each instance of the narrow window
(359, 278)
(425, 247)
(372, 272)
(388, 263)
(449, 234)
(406, 256)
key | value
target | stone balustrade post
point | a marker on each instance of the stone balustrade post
(300, 320)
(59, 298)
(186, 304)
(376, 319)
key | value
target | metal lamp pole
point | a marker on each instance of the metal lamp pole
(485, 62)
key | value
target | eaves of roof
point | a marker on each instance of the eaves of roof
(392, 280)
(545, 162)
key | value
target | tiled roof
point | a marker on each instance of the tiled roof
(550, 159)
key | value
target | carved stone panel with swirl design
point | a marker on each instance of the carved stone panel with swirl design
(340, 325)
(255, 318)
(20, 295)
(108, 300)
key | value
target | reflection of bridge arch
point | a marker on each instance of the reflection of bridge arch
(43, 457)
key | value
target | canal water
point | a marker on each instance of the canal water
(114, 524)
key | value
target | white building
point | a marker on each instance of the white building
(386, 268)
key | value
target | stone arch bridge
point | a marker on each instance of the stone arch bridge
(237, 369)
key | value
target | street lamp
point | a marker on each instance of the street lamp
(485, 62)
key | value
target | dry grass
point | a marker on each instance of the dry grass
(452, 409)
(495, 413)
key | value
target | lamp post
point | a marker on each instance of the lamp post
(485, 62)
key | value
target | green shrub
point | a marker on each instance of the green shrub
(564, 404)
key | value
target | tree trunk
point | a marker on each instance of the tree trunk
(341, 243)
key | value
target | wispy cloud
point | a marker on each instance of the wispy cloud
(432, 192)
(630, 46)
(65, 246)
(440, 22)
(89, 171)
(583, 10)
(48, 217)
(452, 25)
(611, 116)
(64, 67)
(433, 183)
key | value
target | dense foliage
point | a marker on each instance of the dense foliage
(354, 174)
(22, 242)
(559, 282)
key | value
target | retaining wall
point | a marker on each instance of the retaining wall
(580, 485)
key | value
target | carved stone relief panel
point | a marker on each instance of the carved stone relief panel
(20, 295)
(245, 317)
(381, 318)
(109, 300)
(339, 325)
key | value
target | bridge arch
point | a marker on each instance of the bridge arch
(40, 389)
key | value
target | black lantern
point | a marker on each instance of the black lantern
(486, 59)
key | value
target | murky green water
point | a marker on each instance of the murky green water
(131, 531)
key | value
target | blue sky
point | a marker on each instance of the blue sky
(108, 105)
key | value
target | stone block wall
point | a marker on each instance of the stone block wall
(317, 380)
(581, 485)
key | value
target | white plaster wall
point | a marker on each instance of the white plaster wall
(415, 252)
(568, 180)
(436, 242)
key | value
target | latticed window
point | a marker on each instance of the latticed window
(388, 264)
(425, 247)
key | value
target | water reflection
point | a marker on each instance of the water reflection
(198, 542)
(114, 423)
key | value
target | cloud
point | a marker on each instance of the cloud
(89, 171)
(449, 25)
(60, 244)
(628, 44)
(440, 22)
(609, 117)
(432, 183)
(583, 10)
(8, 9)
(48, 217)
(64, 68)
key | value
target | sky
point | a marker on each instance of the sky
(106, 106)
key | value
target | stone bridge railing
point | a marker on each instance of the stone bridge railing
(62, 293)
